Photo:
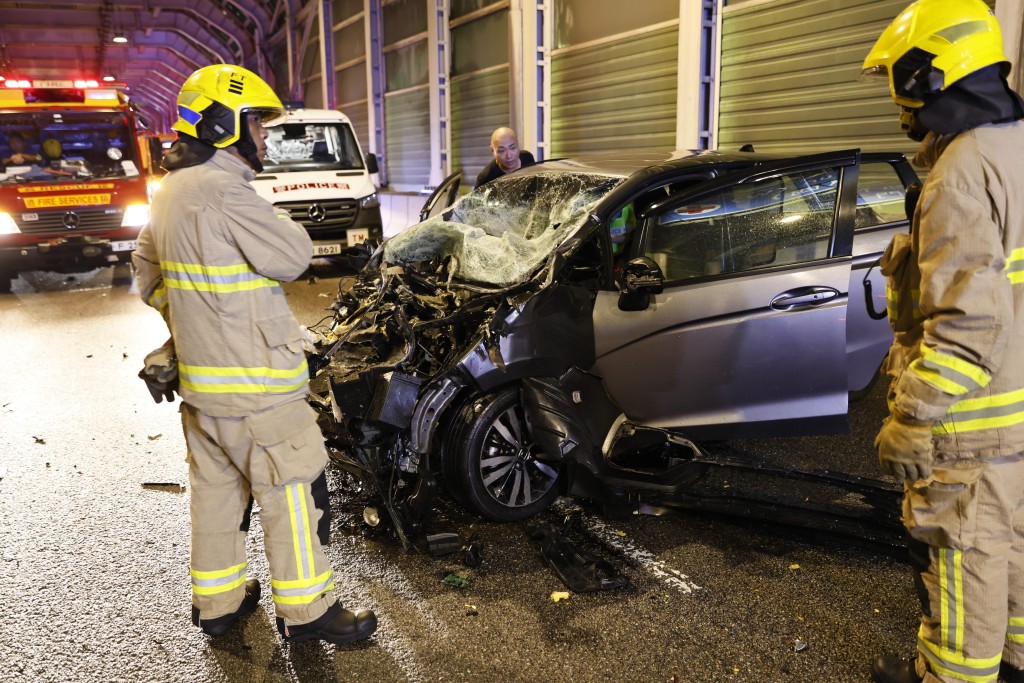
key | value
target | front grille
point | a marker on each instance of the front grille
(337, 213)
(96, 219)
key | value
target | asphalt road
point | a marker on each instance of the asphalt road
(94, 548)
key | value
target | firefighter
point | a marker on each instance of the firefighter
(955, 433)
(211, 261)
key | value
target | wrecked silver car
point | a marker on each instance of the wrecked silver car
(578, 327)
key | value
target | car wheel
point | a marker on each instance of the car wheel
(497, 468)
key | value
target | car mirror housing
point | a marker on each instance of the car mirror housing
(643, 276)
(371, 163)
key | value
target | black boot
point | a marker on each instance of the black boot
(1010, 674)
(221, 625)
(890, 669)
(337, 625)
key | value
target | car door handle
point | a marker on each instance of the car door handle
(803, 297)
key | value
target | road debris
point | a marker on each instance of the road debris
(579, 570)
(443, 544)
(799, 645)
(167, 487)
(39, 439)
(456, 580)
(558, 596)
(471, 611)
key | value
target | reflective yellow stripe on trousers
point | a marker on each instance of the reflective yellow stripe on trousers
(1015, 630)
(947, 658)
(307, 587)
(220, 580)
(1015, 266)
(985, 412)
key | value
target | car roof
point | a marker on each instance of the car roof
(625, 164)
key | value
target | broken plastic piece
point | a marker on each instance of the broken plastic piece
(799, 645)
(455, 581)
(443, 544)
(471, 611)
(579, 570)
(557, 596)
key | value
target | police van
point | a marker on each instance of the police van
(316, 171)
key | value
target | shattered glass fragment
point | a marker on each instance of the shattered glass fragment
(502, 233)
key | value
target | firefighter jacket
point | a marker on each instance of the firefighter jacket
(956, 295)
(211, 261)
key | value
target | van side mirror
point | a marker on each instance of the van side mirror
(641, 277)
(371, 163)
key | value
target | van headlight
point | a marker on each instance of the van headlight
(135, 216)
(7, 224)
(370, 201)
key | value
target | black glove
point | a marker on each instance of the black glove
(160, 373)
(160, 390)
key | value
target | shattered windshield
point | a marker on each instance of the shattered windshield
(311, 147)
(502, 231)
(67, 145)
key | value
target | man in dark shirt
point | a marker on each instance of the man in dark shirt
(507, 156)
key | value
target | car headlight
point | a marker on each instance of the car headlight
(135, 216)
(7, 224)
(370, 201)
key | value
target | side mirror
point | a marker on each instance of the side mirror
(371, 163)
(641, 277)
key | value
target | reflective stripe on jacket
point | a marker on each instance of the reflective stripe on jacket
(958, 361)
(211, 261)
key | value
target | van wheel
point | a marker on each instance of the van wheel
(498, 469)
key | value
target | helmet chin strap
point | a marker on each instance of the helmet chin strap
(247, 147)
(911, 125)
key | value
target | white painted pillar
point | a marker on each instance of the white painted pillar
(440, 98)
(688, 89)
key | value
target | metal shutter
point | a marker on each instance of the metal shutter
(407, 118)
(615, 95)
(356, 112)
(789, 78)
(480, 103)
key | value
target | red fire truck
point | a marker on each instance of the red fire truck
(73, 193)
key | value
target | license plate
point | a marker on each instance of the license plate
(357, 236)
(326, 249)
(124, 245)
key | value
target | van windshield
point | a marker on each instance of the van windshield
(311, 147)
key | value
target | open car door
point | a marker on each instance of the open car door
(443, 197)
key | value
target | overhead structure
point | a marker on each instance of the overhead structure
(151, 46)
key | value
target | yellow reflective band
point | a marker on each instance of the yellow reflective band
(221, 288)
(958, 596)
(943, 370)
(296, 523)
(302, 599)
(305, 527)
(217, 573)
(957, 666)
(1015, 266)
(200, 269)
(1016, 621)
(943, 600)
(292, 584)
(998, 410)
(209, 379)
(223, 588)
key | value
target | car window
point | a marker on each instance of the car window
(880, 196)
(773, 222)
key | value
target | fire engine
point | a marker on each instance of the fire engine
(73, 189)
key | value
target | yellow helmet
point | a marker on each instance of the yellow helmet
(214, 99)
(931, 45)
(52, 148)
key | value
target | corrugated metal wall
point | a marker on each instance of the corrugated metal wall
(480, 103)
(357, 114)
(615, 95)
(408, 141)
(789, 77)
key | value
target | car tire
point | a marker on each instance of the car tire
(495, 465)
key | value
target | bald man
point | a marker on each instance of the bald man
(507, 156)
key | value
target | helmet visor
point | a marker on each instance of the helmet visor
(269, 116)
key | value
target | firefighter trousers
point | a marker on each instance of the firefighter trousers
(966, 525)
(276, 457)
